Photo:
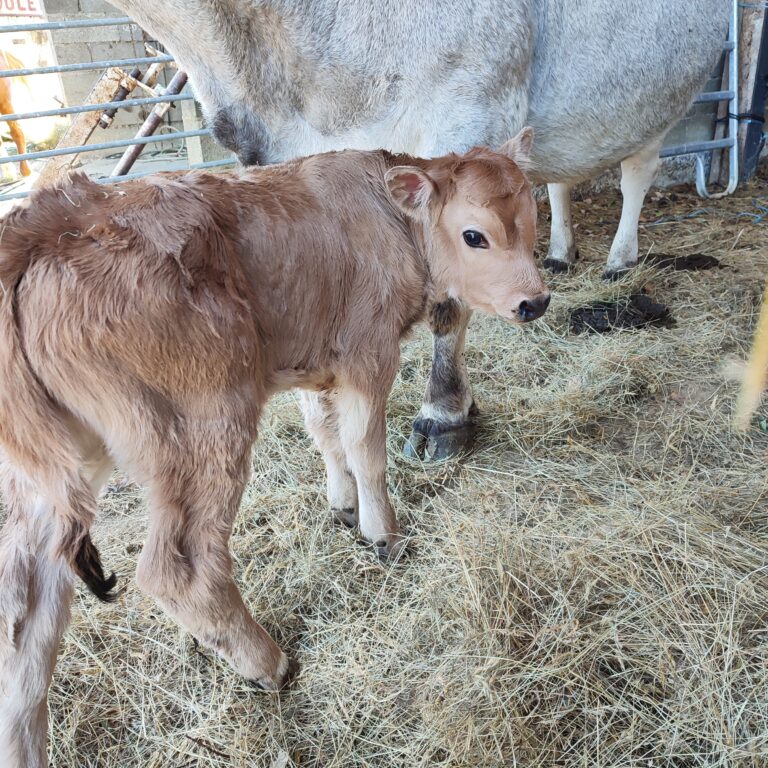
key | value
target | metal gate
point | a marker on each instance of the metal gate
(129, 83)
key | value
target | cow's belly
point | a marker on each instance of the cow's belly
(610, 76)
(433, 122)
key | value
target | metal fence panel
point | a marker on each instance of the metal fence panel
(105, 106)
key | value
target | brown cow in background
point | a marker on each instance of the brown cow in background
(146, 325)
(9, 61)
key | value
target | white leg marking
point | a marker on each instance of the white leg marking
(320, 417)
(362, 430)
(562, 246)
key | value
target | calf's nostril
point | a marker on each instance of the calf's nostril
(526, 310)
(531, 309)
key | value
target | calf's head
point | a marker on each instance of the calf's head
(479, 220)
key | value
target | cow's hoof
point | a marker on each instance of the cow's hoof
(290, 669)
(346, 516)
(612, 275)
(435, 441)
(556, 266)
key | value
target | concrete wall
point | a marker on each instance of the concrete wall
(73, 46)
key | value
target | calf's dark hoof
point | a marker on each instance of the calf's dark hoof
(389, 549)
(347, 516)
(291, 673)
(432, 440)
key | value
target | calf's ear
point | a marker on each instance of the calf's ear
(412, 190)
(519, 147)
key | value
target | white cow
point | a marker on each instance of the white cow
(600, 81)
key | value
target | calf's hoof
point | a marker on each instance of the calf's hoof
(432, 440)
(287, 671)
(389, 547)
(347, 516)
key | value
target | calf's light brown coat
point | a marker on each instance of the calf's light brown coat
(145, 325)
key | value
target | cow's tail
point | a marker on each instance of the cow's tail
(34, 431)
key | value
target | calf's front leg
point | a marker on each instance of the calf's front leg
(363, 435)
(445, 425)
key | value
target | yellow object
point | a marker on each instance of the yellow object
(753, 384)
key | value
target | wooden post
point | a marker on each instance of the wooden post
(191, 122)
(80, 130)
(753, 69)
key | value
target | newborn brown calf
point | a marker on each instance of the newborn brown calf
(146, 325)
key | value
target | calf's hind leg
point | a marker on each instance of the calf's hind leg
(363, 435)
(186, 564)
(35, 596)
(322, 423)
(36, 587)
(445, 425)
(21, 145)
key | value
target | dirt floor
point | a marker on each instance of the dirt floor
(588, 588)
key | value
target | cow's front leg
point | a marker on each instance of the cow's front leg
(445, 425)
(637, 175)
(363, 435)
(562, 252)
(320, 417)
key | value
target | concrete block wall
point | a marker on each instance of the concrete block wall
(73, 46)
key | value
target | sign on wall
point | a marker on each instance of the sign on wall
(21, 8)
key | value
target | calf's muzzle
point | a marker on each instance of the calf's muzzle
(533, 308)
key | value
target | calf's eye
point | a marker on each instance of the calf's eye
(474, 239)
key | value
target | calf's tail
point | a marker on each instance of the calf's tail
(34, 431)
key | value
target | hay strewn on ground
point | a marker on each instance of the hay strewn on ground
(589, 588)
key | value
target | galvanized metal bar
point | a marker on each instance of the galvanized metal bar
(694, 147)
(82, 67)
(98, 107)
(105, 145)
(149, 126)
(213, 164)
(733, 118)
(44, 25)
(710, 96)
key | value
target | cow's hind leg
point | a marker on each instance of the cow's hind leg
(445, 425)
(562, 252)
(637, 174)
(322, 423)
(186, 564)
(35, 596)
